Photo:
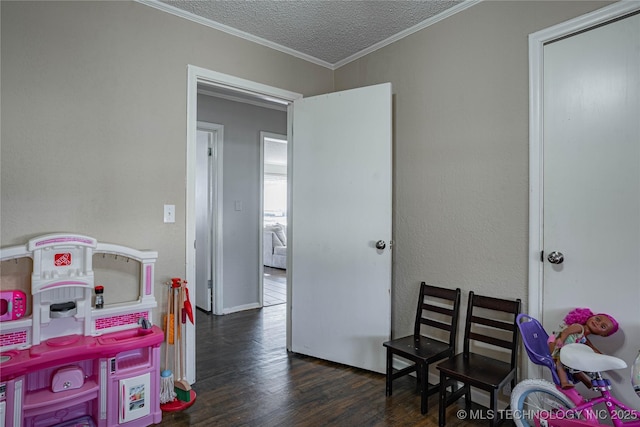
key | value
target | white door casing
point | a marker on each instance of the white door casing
(585, 176)
(197, 75)
(341, 205)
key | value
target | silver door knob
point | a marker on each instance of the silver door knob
(555, 257)
(380, 244)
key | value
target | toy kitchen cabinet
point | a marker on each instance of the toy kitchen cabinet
(69, 363)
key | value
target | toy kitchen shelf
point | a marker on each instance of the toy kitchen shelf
(69, 361)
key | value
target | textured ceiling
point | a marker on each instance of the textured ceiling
(327, 31)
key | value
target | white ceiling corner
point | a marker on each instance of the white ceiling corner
(330, 33)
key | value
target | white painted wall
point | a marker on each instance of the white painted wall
(242, 126)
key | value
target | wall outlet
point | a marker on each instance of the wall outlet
(169, 213)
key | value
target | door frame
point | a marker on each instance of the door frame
(198, 75)
(263, 136)
(536, 144)
(214, 209)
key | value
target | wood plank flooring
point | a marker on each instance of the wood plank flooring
(245, 377)
(275, 286)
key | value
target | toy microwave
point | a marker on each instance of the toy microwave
(13, 305)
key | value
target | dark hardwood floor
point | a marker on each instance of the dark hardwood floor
(274, 286)
(245, 377)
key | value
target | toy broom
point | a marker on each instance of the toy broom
(167, 393)
(182, 386)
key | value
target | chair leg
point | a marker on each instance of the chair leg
(442, 402)
(467, 397)
(424, 386)
(389, 388)
(493, 406)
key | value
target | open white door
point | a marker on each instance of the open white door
(341, 206)
(203, 220)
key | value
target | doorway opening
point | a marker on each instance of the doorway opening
(229, 88)
(274, 218)
(324, 125)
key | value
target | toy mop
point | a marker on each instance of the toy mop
(167, 393)
(178, 392)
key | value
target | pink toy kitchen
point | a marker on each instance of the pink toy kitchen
(71, 354)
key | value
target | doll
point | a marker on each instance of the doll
(578, 325)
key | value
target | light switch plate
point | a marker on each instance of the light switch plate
(169, 213)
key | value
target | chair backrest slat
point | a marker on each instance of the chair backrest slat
(435, 324)
(489, 340)
(493, 323)
(438, 309)
(508, 306)
(448, 305)
(494, 311)
(435, 291)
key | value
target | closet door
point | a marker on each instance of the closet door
(591, 137)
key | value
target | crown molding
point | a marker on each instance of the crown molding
(259, 40)
(230, 30)
(402, 34)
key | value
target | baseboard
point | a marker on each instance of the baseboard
(240, 308)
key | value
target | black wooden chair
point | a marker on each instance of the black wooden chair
(437, 308)
(490, 321)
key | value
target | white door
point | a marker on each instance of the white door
(341, 206)
(203, 286)
(208, 216)
(591, 116)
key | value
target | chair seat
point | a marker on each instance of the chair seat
(419, 348)
(477, 370)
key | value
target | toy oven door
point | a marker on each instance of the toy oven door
(135, 397)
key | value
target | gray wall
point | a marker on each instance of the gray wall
(242, 126)
(461, 148)
(94, 118)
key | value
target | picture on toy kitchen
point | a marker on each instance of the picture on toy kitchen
(78, 342)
